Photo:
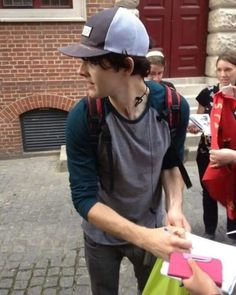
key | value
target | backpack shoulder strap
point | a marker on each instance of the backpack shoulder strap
(173, 115)
(96, 117)
(98, 129)
(173, 106)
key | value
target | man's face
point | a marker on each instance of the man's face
(156, 73)
(99, 82)
(226, 72)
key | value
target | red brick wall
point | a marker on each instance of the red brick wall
(34, 74)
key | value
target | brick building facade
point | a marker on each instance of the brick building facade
(34, 75)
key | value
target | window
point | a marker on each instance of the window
(36, 3)
(43, 129)
(17, 3)
(42, 10)
(57, 3)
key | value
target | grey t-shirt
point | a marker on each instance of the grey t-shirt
(138, 148)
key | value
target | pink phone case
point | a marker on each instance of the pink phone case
(179, 267)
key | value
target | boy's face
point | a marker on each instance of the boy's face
(100, 82)
(156, 73)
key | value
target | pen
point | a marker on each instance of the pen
(166, 229)
(231, 232)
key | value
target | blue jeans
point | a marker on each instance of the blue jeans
(103, 263)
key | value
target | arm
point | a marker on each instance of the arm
(200, 283)
(171, 178)
(222, 157)
(155, 240)
(173, 186)
(81, 161)
(200, 109)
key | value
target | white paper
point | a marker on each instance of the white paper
(226, 253)
(202, 121)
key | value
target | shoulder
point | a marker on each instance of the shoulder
(205, 91)
(205, 94)
(77, 119)
(156, 95)
(169, 84)
(210, 89)
(78, 112)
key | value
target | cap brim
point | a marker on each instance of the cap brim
(81, 50)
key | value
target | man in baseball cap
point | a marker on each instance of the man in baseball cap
(112, 30)
(114, 179)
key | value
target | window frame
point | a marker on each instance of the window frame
(76, 13)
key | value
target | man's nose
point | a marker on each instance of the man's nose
(82, 71)
(223, 73)
(157, 78)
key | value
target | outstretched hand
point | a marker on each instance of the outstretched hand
(200, 283)
(163, 241)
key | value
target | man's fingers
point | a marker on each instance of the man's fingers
(181, 244)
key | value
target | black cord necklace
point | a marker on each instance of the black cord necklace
(139, 99)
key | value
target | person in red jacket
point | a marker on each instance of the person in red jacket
(226, 74)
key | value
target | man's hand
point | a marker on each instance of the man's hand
(164, 240)
(159, 241)
(177, 218)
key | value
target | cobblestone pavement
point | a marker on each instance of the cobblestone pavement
(41, 245)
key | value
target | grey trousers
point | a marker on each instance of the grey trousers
(103, 263)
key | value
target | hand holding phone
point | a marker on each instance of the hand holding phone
(179, 267)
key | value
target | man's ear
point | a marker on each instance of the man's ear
(129, 63)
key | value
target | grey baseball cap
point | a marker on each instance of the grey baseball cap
(112, 30)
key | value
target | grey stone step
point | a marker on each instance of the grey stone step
(192, 153)
(187, 80)
(191, 99)
(189, 87)
(189, 90)
(62, 165)
(192, 139)
(193, 110)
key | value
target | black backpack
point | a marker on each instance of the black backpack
(97, 126)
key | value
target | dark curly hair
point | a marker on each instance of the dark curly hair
(118, 61)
